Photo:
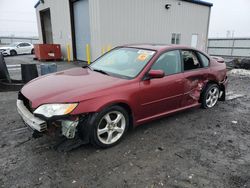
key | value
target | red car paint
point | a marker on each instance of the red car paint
(147, 99)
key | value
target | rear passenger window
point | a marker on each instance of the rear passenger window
(169, 62)
(190, 60)
(204, 59)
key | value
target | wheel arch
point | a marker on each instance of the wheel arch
(124, 105)
(13, 50)
(205, 86)
(130, 113)
(221, 88)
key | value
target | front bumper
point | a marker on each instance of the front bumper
(5, 52)
(29, 119)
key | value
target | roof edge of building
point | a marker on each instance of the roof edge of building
(190, 1)
(227, 38)
(199, 2)
(38, 3)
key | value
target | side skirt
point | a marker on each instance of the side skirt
(157, 116)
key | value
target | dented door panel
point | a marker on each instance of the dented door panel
(194, 82)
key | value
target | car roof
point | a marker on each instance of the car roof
(158, 47)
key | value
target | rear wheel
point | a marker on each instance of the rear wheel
(13, 53)
(109, 127)
(210, 96)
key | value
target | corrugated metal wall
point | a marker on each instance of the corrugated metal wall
(117, 22)
(237, 47)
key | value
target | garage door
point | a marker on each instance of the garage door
(82, 28)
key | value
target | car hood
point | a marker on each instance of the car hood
(6, 48)
(73, 85)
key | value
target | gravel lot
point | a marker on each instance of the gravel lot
(195, 148)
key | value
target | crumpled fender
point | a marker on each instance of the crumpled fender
(198, 88)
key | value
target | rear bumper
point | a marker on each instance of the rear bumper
(225, 82)
(223, 89)
(29, 119)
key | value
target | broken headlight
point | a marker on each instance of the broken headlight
(49, 110)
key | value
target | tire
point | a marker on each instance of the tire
(13, 53)
(109, 127)
(32, 51)
(4, 73)
(210, 96)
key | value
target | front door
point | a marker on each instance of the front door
(159, 96)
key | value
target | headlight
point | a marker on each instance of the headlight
(49, 110)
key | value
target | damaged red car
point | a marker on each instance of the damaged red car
(124, 88)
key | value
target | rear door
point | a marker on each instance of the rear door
(20, 48)
(195, 76)
(27, 48)
(158, 96)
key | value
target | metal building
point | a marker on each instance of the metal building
(103, 24)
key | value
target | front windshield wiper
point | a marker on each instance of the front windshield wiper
(101, 71)
(86, 66)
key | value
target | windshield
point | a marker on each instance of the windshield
(123, 62)
(14, 44)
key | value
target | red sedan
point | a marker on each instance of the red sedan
(124, 88)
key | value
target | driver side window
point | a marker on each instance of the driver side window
(169, 62)
(20, 45)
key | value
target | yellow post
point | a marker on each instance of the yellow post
(88, 53)
(109, 47)
(68, 52)
(103, 50)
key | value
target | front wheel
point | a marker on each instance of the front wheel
(109, 127)
(13, 53)
(210, 96)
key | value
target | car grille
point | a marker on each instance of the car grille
(26, 102)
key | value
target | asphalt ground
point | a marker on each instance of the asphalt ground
(194, 148)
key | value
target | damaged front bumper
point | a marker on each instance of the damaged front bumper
(67, 125)
(29, 119)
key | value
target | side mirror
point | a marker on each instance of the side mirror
(156, 74)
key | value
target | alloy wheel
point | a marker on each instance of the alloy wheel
(212, 97)
(111, 127)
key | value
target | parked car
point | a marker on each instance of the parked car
(126, 87)
(17, 48)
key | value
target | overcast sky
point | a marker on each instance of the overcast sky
(18, 17)
(232, 15)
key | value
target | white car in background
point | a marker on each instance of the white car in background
(17, 48)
